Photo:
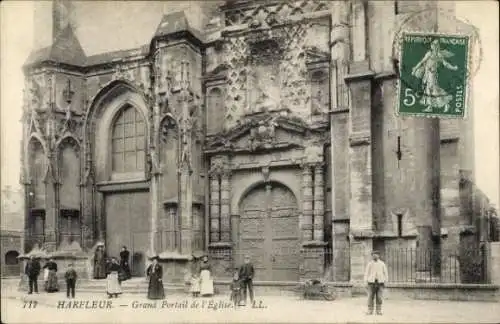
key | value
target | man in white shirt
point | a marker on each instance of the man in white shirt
(375, 277)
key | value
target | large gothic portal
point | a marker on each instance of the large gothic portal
(271, 132)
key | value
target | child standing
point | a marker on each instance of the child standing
(195, 285)
(70, 277)
(236, 290)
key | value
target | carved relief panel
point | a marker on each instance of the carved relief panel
(273, 13)
(235, 53)
(269, 69)
(264, 82)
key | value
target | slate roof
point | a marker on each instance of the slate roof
(67, 49)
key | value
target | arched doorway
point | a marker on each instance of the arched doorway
(269, 232)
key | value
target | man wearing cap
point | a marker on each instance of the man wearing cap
(32, 270)
(375, 277)
(246, 276)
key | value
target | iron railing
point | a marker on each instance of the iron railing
(404, 265)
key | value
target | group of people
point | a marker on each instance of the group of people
(243, 281)
(51, 284)
(201, 282)
(115, 272)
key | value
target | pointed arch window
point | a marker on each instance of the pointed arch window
(128, 141)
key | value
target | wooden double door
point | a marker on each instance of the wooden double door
(128, 222)
(269, 232)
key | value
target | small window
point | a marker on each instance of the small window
(11, 258)
(400, 225)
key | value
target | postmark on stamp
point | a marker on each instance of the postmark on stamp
(433, 75)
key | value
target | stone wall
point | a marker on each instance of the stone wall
(11, 244)
(494, 262)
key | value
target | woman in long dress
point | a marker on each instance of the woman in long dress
(113, 287)
(100, 262)
(206, 281)
(45, 274)
(433, 95)
(155, 275)
(51, 285)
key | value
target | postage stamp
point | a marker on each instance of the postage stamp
(433, 75)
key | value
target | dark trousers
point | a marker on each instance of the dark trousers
(70, 287)
(33, 284)
(375, 291)
(244, 285)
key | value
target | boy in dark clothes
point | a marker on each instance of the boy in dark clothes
(246, 276)
(70, 277)
(236, 290)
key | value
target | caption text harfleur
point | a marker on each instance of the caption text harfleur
(208, 304)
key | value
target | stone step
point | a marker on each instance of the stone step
(140, 286)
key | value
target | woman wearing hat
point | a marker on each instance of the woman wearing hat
(155, 275)
(113, 285)
(51, 285)
(206, 281)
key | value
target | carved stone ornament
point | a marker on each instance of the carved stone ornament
(263, 134)
(218, 166)
(265, 173)
(272, 13)
(34, 95)
(127, 73)
(313, 154)
(168, 127)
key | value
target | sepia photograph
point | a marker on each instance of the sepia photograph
(250, 161)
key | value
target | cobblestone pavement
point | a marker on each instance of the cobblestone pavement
(20, 308)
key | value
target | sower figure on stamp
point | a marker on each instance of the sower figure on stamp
(246, 274)
(32, 270)
(375, 277)
(124, 258)
(155, 275)
(70, 277)
(427, 70)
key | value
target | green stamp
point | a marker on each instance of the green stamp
(433, 75)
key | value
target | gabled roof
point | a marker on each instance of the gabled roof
(65, 49)
(172, 23)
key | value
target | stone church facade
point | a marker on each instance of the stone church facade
(270, 133)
